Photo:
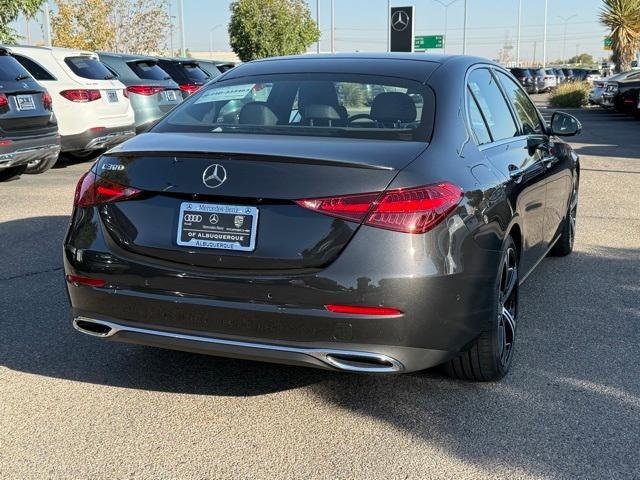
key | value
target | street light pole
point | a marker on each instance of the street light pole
(333, 27)
(518, 39)
(564, 38)
(181, 25)
(544, 41)
(446, 12)
(211, 39)
(318, 24)
(388, 25)
(47, 24)
(464, 30)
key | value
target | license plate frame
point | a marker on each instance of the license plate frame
(25, 102)
(217, 226)
(112, 96)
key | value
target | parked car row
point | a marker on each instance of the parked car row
(56, 100)
(542, 80)
(621, 92)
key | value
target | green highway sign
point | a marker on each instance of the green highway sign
(424, 42)
(607, 43)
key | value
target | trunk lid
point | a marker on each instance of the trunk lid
(261, 172)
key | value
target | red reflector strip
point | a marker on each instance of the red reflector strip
(97, 129)
(80, 280)
(4, 143)
(359, 310)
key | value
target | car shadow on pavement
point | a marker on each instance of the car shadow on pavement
(570, 406)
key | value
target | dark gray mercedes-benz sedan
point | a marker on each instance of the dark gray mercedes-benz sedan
(361, 212)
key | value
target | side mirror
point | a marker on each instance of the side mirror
(565, 125)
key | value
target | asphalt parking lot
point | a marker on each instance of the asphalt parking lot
(75, 407)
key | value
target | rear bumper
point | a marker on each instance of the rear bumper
(280, 316)
(97, 139)
(329, 356)
(26, 150)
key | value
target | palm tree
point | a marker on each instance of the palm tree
(623, 19)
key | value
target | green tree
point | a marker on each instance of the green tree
(622, 17)
(582, 59)
(9, 12)
(266, 28)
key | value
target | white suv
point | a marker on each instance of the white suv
(91, 106)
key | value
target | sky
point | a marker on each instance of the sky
(361, 25)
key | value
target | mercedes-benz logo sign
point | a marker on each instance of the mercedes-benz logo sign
(400, 20)
(214, 176)
(213, 218)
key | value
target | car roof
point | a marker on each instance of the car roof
(57, 52)
(412, 66)
(126, 56)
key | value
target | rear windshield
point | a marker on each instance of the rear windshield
(329, 105)
(87, 67)
(521, 72)
(194, 73)
(149, 70)
(11, 70)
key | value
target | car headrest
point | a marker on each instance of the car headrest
(320, 112)
(257, 113)
(393, 107)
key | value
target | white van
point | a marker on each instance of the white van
(91, 106)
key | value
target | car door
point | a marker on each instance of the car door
(558, 171)
(505, 146)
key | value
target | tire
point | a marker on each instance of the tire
(564, 245)
(84, 154)
(41, 165)
(7, 173)
(490, 356)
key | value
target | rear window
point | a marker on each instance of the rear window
(36, 70)
(331, 105)
(11, 70)
(193, 72)
(87, 67)
(148, 70)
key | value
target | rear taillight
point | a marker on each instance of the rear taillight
(93, 190)
(4, 101)
(81, 95)
(189, 87)
(47, 103)
(146, 90)
(409, 210)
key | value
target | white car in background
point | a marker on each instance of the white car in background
(91, 106)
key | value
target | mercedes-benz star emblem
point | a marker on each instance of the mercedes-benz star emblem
(400, 20)
(214, 176)
(213, 218)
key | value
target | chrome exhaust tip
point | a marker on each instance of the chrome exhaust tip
(93, 327)
(363, 362)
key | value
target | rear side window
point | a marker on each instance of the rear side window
(11, 70)
(87, 67)
(194, 73)
(492, 104)
(478, 124)
(148, 70)
(525, 110)
(35, 69)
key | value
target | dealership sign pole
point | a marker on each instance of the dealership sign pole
(401, 29)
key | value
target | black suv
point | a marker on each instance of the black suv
(186, 72)
(28, 129)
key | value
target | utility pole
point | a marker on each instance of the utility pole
(564, 38)
(181, 26)
(464, 30)
(47, 24)
(518, 39)
(544, 41)
(446, 12)
(333, 26)
(318, 23)
(535, 48)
